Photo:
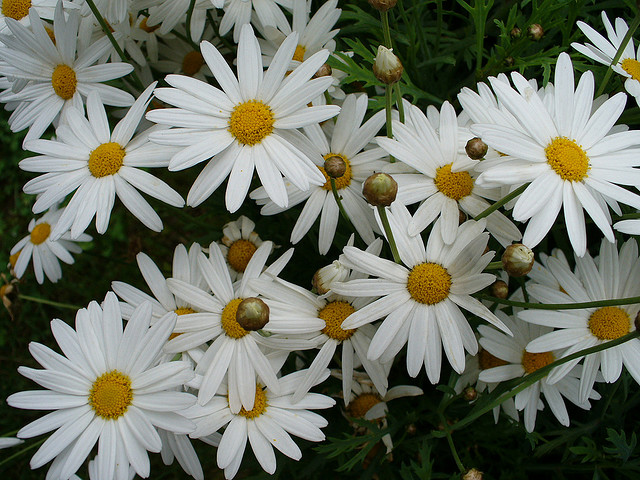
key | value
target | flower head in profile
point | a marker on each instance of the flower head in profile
(106, 388)
(248, 125)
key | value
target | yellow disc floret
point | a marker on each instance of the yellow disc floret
(333, 314)
(14, 258)
(535, 361)
(16, 9)
(251, 121)
(240, 253)
(486, 360)
(454, 185)
(632, 67)
(567, 159)
(192, 62)
(609, 323)
(298, 55)
(229, 323)
(64, 81)
(184, 311)
(259, 405)
(40, 233)
(341, 182)
(106, 159)
(111, 395)
(429, 283)
(359, 406)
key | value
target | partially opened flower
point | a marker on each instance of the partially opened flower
(239, 243)
(237, 13)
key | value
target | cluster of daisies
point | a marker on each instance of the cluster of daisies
(207, 353)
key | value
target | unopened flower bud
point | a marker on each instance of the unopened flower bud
(335, 166)
(324, 71)
(517, 260)
(252, 314)
(473, 474)
(380, 189)
(500, 289)
(386, 66)
(509, 61)
(326, 276)
(535, 31)
(515, 32)
(470, 394)
(476, 148)
(383, 5)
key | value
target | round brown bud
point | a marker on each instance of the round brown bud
(252, 314)
(509, 61)
(335, 166)
(383, 5)
(387, 66)
(462, 217)
(500, 289)
(536, 32)
(470, 394)
(326, 276)
(473, 474)
(380, 189)
(324, 71)
(517, 260)
(515, 32)
(476, 148)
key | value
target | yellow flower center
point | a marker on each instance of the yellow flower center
(454, 185)
(632, 67)
(344, 181)
(14, 258)
(64, 81)
(192, 63)
(429, 283)
(106, 159)
(259, 405)
(16, 9)
(298, 55)
(184, 311)
(567, 159)
(240, 253)
(609, 323)
(111, 395)
(359, 406)
(333, 314)
(143, 25)
(535, 361)
(229, 323)
(251, 121)
(486, 360)
(40, 233)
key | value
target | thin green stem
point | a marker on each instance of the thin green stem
(399, 102)
(386, 31)
(563, 306)
(388, 105)
(48, 302)
(507, 198)
(623, 45)
(338, 199)
(24, 450)
(387, 230)
(454, 452)
(107, 30)
(538, 375)
(494, 265)
(192, 5)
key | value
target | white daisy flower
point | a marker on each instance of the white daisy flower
(566, 153)
(107, 389)
(270, 423)
(238, 244)
(100, 164)
(612, 276)
(521, 362)
(114, 11)
(347, 142)
(445, 180)
(46, 253)
(289, 303)
(170, 13)
(147, 36)
(178, 56)
(602, 50)
(250, 123)
(58, 77)
(421, 302)
(180, 448)
(19, 10)
(237, 13)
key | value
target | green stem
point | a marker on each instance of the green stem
(388, 105)
(454, 452)
(338, 199)
(625, 41)
(507, 198)
(192, 5)
(399, 101)
(563, 306)
(48, 302)
(539, 374)
(387, 230)
(24, 450)
(123, 55)
(494, 265)
(386, 31)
